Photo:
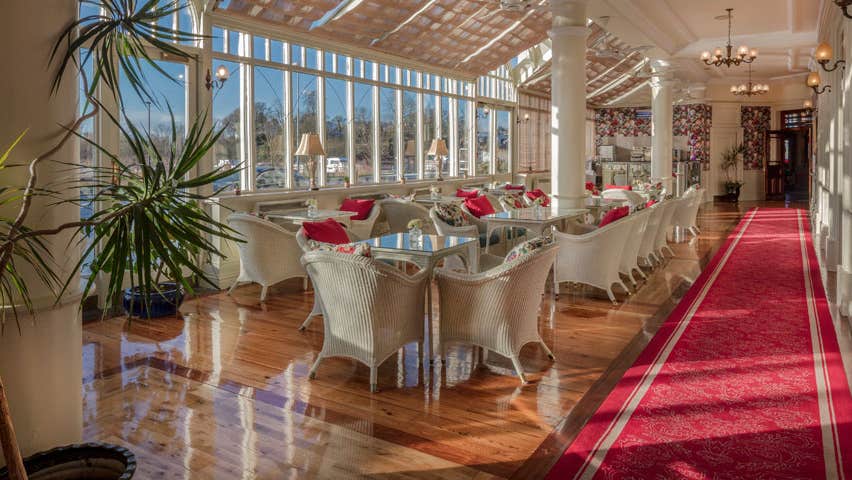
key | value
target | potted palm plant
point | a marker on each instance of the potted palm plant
(730, 163)
(149, 224)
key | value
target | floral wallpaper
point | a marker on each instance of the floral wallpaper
(755, 121)
(692, 121)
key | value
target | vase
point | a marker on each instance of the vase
(88, 460)
(312, 211)
(415, 237)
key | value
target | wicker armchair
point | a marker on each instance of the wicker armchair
(371, 309)
(364, 228)
(647, 246)
(497, 309)
(486, 260)
(269, 254)
(687, 214)
(632, 197)
(399, 212)
(661, 241)
(630, 255)
(592, 258)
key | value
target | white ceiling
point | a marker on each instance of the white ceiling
(784, 32)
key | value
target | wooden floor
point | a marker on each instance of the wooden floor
(223, 391)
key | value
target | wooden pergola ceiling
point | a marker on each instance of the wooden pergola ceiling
(470, 36)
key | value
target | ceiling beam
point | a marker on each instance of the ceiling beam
(502, 34)
(335, 13)
(404, 23)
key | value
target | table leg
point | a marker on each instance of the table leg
(488, 231)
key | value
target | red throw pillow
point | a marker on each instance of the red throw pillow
(327, 231)
(590, 186)
(467, 193)
(613, 215)
(650, 203)
(509, 186)
(618, 187)
(479, 206)
(532, 195)
(361, 207)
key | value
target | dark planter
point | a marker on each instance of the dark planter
(89, 461)
(163, 303)
(733, 192)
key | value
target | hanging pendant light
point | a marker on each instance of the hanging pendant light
(749, 89)
(727, 57)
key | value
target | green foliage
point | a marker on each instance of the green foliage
(730, 160)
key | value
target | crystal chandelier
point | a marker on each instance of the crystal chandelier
(727, 58)
(749, 89)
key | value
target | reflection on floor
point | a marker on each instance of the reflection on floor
(223, 391)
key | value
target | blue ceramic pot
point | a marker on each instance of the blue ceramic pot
(163, 303)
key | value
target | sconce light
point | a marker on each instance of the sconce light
(844, 5)
(813, 82)
(823, 55)
(485, 111)
(222, 75)
(526, 119)
(808, 105)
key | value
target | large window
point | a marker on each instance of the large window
(463, 137)
(270, 167)
(430, 164)
(337, 158)
(226, 116)
(304, 121)
(409, 135)
(503, 140)
(387, 129)
(363, 126)
(445, 133)
(483, 140)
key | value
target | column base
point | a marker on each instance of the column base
(844, 290)
(566, 201)
(832, 253)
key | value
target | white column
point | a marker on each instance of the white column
(41, 365)
(844, 270)
(661, 129)
(568, 97)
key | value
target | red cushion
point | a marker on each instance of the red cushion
(618, 187)
(590, 186)
(614, 215)
(327, 231)
(467, 193)
(533, 194)
(650, 203)
(509, 186)
(361, 207)
(479, 206)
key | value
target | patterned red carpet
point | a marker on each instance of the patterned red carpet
(744, 379)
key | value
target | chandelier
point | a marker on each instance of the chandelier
(744, 55)
(749, 89)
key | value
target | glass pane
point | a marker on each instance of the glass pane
(503, 140)
(276, 51)
(341, 64)
(218, 39)
(270, 168)
(185, 21)
(368, 70)
(328, 62)
(336, 163)
(226, 114)
(357, 68)
(363, 122)
(87, 158)
(445, 133)
(311, 58)
(387, 125)
(234, 43)
(430, 165)
(463, 136)
(304, 95)
(409, 135)
(259, 47)
(296, 55)
(483, 133)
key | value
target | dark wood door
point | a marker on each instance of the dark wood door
(774, 167)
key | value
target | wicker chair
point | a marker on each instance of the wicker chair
(592, 258)
(632, 197)
(269, 255)
(686, 215)
(647, 247)
(486, 260)
(399, 212)
(630, 255)
(364, 228)
(661, 242)
(371, 309)
(497, 309)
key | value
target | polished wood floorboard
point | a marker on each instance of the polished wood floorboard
(222, 391)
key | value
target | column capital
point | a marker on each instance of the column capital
(661, 82)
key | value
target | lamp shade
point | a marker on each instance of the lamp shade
(824, 52)
(310, 145)
(808, 104)
(813, 79)
(438, 147)
(410, 148)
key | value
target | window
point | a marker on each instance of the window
(387, 129)
(304, 104)
(270, 167)
(430, 164)
(363, 126)
(463, 137)
(336, 160)
(483, 141)
(226, 115)
(445, 133)
(503, 140)
(409, 135)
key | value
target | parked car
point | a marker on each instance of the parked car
(336, 165)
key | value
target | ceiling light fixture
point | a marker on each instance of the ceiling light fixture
(813, 81)
(744, 55)
(749, 89)
(844, 5)
(823, 56)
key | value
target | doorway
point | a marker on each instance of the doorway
(787, 171)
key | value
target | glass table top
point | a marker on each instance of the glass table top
(302, 214)
(441, 199)
(531, 214)
(430, 243)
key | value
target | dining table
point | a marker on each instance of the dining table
(531, 219)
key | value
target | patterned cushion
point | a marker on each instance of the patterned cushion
(532, 195)
(531, 245)
(362, 249)
(613, 215)
(451, 214)
(512, 200)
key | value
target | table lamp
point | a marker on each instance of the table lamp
(439, 150)
(310, 146)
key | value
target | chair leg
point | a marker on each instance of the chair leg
(629, 292)
(546, 350)
(374, 385)
(263, 292)
(304, 283)
(233, 287)
(671, 252)
(641, 273)
(555, 287)
(313, 373)
(518, 369)
(484, 355)
(611, 296)
(307, 322)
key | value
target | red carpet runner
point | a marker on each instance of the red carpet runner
(744, 379)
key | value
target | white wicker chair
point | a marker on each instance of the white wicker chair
(687, 215)
(632, 197)
(364, 228)
(269, 254)
(630, 255)
(399, 212)
(592, 258)
(661, 242)
(486, 260)
(371, 309)
(647, 248)
(497, 309)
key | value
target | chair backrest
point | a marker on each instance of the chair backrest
(399, 212)
(655, 213)
(632, 197)
(669, 208)
(634, 239)
(267, 248)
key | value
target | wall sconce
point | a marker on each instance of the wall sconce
(823, 55)
(485, 111)
(808, 105)
(813, 82)
(844, 5)
(526, 119)
(222, 75)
